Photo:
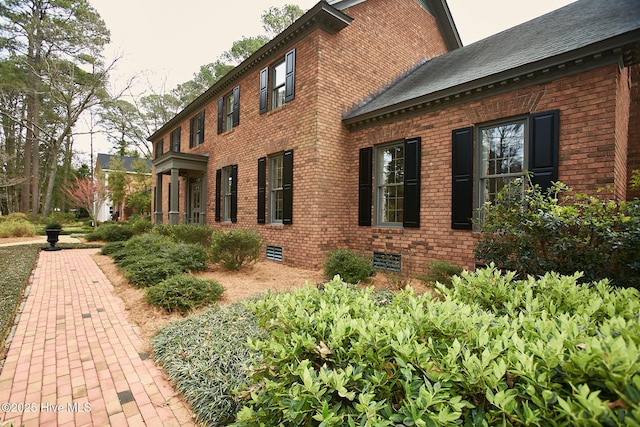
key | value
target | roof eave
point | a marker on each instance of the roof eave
(322, 16)
(623, 49)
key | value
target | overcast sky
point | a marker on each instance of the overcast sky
(166, 41)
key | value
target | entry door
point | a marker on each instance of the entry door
(195, 202)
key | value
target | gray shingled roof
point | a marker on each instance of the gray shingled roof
(105, 159)
(573, 28)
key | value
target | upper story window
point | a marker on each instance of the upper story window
(196, 130)
(277, 83)
(174, 141)
(229, 110)
(159, 148)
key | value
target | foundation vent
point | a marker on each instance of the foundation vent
(274, 253)
(389, 262)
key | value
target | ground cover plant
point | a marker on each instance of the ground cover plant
(338, 357)
(207, 358)
(563, 231)
(16, 263)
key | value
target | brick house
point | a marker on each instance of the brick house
(366, 125)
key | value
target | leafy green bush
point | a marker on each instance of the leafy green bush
(150, 258)
(139, 225)
(186, 233)
(235, 248)
(150, 270)
(350, 266)
(564, 232)
(183, 293)
(18, 228)
(441, 272)
(110, 232)
(207, 357)
(337, 358)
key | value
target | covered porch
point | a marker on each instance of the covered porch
(191, 170)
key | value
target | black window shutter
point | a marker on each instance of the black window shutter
(287, 187)
(192, 124)
(365, 186)
(262, 190)
(218, 188)
(264, 90)
(290, 77)
(234, 193)
(220, 115)
(543, 148)
(412, 160)
(236, 106)
(462, 189)
(201, 128)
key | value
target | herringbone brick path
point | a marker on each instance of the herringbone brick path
(74, 360)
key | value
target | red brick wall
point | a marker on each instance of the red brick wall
(587, 105)
(633, 150)
(332, 73)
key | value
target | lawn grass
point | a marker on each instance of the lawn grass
(16, 264)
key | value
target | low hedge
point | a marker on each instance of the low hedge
(491, 350)
(183, 293)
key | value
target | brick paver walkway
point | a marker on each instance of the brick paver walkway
(74, 360)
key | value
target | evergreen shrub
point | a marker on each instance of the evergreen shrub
(350, 266)
(186, 233)
(183, 293)
(562, 231)
(541, 352)
(236, 248)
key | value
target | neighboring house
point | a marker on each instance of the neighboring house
(366, 125)
(106, 165)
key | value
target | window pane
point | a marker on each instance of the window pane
(390, 184)
(279, 75)
(503, 149)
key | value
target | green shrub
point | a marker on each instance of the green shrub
(235, 248)
(18, 228)
(150, 270)
(150, 258)
(183, 293)
(564, 232)
(335, 357)
(110, 232)
(350, 266)
(189, 257)
(441, 272)
(186, 233)
(207, 357)
(113, 249)
(15, 216)
(139, 225)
